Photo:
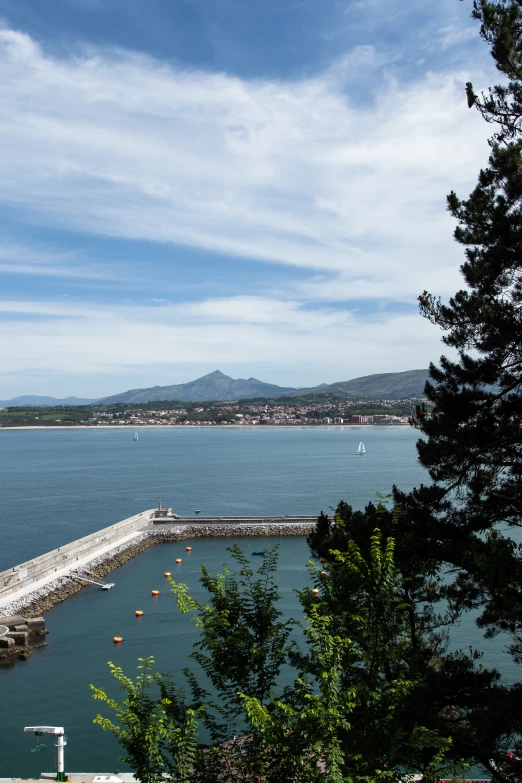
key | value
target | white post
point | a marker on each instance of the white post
(60, 744)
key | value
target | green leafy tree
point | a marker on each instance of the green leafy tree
(343, 716)
(338, 720)
(159, 735)
(387, 662)
(460, 698)
(244, 642)
(243, 645)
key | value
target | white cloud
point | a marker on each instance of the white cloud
(287, 172)
(454, 35)
(82, 340)
(282, 172)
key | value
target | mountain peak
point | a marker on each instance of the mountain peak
(218, 386)
(214, 386)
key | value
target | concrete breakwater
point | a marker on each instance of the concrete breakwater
(32, 596)
(22, 579)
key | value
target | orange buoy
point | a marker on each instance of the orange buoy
(138, 613)
(315, 591)
(118, 638)
(188, 548)
(178, 560)
(167, 573)
(155, 592)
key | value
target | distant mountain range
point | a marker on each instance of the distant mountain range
(214, 386)
(43, 402)
(218, 386)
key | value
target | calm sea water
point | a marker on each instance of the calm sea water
(62, 484)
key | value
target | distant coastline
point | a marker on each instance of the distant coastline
(140, 427)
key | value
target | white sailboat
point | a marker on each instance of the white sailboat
(135, 436)
(361, 449)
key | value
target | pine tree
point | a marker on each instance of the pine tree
(473, 449)
(501, 28)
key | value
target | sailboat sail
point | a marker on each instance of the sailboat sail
(135, 436)
(361, 449)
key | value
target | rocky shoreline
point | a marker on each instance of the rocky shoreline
(43, 599)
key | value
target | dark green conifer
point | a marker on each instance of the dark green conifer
(473, 449)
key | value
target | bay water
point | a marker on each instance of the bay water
(61, 484)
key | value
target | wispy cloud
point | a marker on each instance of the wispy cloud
(454, 35)
(39, 260)
(291, 173)
(83, 339)
(340, 177)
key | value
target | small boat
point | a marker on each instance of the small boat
(135, 436)
(107, 586)
(361, 449)
(197, 511)
(262, 552)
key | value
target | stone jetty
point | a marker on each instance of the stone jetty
(33, 588)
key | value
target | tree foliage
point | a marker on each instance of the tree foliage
(243, 642)
(501, 28)
(473, 445)
(339, 717)
(159, 735)
(460, 698)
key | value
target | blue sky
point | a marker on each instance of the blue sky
(251, 185)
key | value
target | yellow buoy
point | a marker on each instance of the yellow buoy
(167, 573)
(118, 638)
(138, 613)
(315, 591)
(155, 592)
(178, 560)
(188, 548)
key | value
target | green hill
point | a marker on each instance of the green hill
(386, 385)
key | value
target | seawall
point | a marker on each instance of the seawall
(36, 586)
(52, 564)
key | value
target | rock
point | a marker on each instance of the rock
(21, 638)
(36, 625)
(13, 620)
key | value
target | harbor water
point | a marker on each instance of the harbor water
(62, 484)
